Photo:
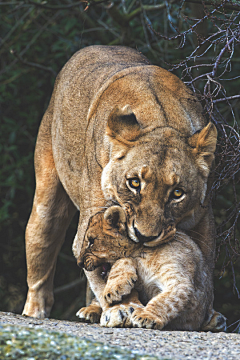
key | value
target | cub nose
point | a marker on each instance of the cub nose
(80, 263)
(142, 238)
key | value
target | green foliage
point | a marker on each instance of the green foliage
(27, 343)
(37, 38)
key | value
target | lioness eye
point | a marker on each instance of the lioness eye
(177, 193)
(134, 183)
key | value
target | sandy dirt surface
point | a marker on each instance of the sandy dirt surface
(171, 345)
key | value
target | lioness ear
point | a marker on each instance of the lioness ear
(204, 144)
(115, 217)
(122, 125)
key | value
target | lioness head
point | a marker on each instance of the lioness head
(158, 175)
(105, 240)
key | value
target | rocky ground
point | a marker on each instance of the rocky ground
(163, 344)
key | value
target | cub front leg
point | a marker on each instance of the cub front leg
(145, 318)
(121, 280)
(164, 307)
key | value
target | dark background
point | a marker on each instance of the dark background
(197, 40)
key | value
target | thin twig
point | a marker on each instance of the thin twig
(220, 55)
(214, 3)
(34, 65)
(71, 285)
(226, 98)
(56, 7)
(33, 40)
(20, 21)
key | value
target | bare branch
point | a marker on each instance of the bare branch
(137, 11)
(16, 26)
(226, 47)
(70, 285)
(226, 6)
(227, 98)
(33, 40)
(56, 7)
(31, 64)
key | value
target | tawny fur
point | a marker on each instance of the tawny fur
(170, 279)
(113, 116)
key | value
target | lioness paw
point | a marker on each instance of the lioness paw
(142, 318)
(114, 293)
(118, 315)
(91, 313)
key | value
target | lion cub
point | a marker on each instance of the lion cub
(170, 278)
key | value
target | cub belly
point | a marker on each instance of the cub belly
(149, 284)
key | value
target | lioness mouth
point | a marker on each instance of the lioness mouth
(151, 241)
(143, 238)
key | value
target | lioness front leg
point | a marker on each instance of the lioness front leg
(51, 214)
(120, 283)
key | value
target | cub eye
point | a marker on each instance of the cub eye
(177, 193)
(134, 183)
(90, 241)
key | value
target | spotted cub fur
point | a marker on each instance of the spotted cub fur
(170, 279)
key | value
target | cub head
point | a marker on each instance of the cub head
(105, 240)
(158, 175)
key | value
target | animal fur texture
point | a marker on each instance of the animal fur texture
(170, 279)
(118, 129)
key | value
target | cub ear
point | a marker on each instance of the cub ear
(204, 144)
(116, 218)
(122, 125)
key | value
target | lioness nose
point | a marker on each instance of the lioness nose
(143, 238)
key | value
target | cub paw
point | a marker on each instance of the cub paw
(118, 315)
(115, 293)
(91, 313)
(143, 318)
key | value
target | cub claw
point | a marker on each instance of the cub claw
(115, 294)
(118, 315)
(115, 316)
(142, 318)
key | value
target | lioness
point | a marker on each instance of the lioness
(118, 129)
(170, 279)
